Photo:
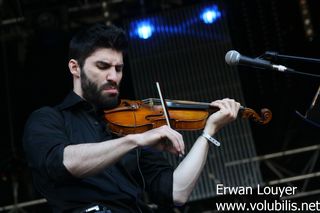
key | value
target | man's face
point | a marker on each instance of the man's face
(100, 77)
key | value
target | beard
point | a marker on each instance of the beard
(94, 94)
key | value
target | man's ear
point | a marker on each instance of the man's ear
(74, 68)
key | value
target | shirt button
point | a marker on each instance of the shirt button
(96, 123)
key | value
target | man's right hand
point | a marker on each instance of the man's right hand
(162, 138)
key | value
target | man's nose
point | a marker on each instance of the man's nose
(112, 74)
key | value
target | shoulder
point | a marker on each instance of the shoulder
(46, 111)
(45, 115)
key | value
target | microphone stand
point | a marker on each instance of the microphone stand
(312, 115)
(270, 55)
(275, 55)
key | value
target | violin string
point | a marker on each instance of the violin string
(135, 119)
(157, 101)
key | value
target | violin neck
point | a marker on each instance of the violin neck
(187, 105)
(178, 104)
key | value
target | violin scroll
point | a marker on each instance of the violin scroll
(264, 118)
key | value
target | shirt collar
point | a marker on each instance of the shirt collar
(71, 100)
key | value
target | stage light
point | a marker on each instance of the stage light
(210, 14)
(144, 30)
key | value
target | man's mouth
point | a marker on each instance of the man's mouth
(111, 89)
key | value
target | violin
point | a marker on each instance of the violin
(137, 116)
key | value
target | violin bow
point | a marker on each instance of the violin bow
(164, 106)
(166, 113)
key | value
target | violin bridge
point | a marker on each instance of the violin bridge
(149, 101)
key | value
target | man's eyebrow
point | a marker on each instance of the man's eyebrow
(106, 62)
(103, 62)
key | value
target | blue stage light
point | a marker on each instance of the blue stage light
(210, 14)
(144, 30)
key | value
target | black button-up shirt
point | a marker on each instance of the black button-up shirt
(50, 129)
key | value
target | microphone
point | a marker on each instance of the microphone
(233, 58)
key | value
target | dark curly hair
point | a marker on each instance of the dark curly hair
(85, 42)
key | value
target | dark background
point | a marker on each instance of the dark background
(34, 38)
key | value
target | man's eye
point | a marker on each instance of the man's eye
(119, 68)
(106, 66)
(103, 66)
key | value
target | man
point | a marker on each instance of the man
(78, 165)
